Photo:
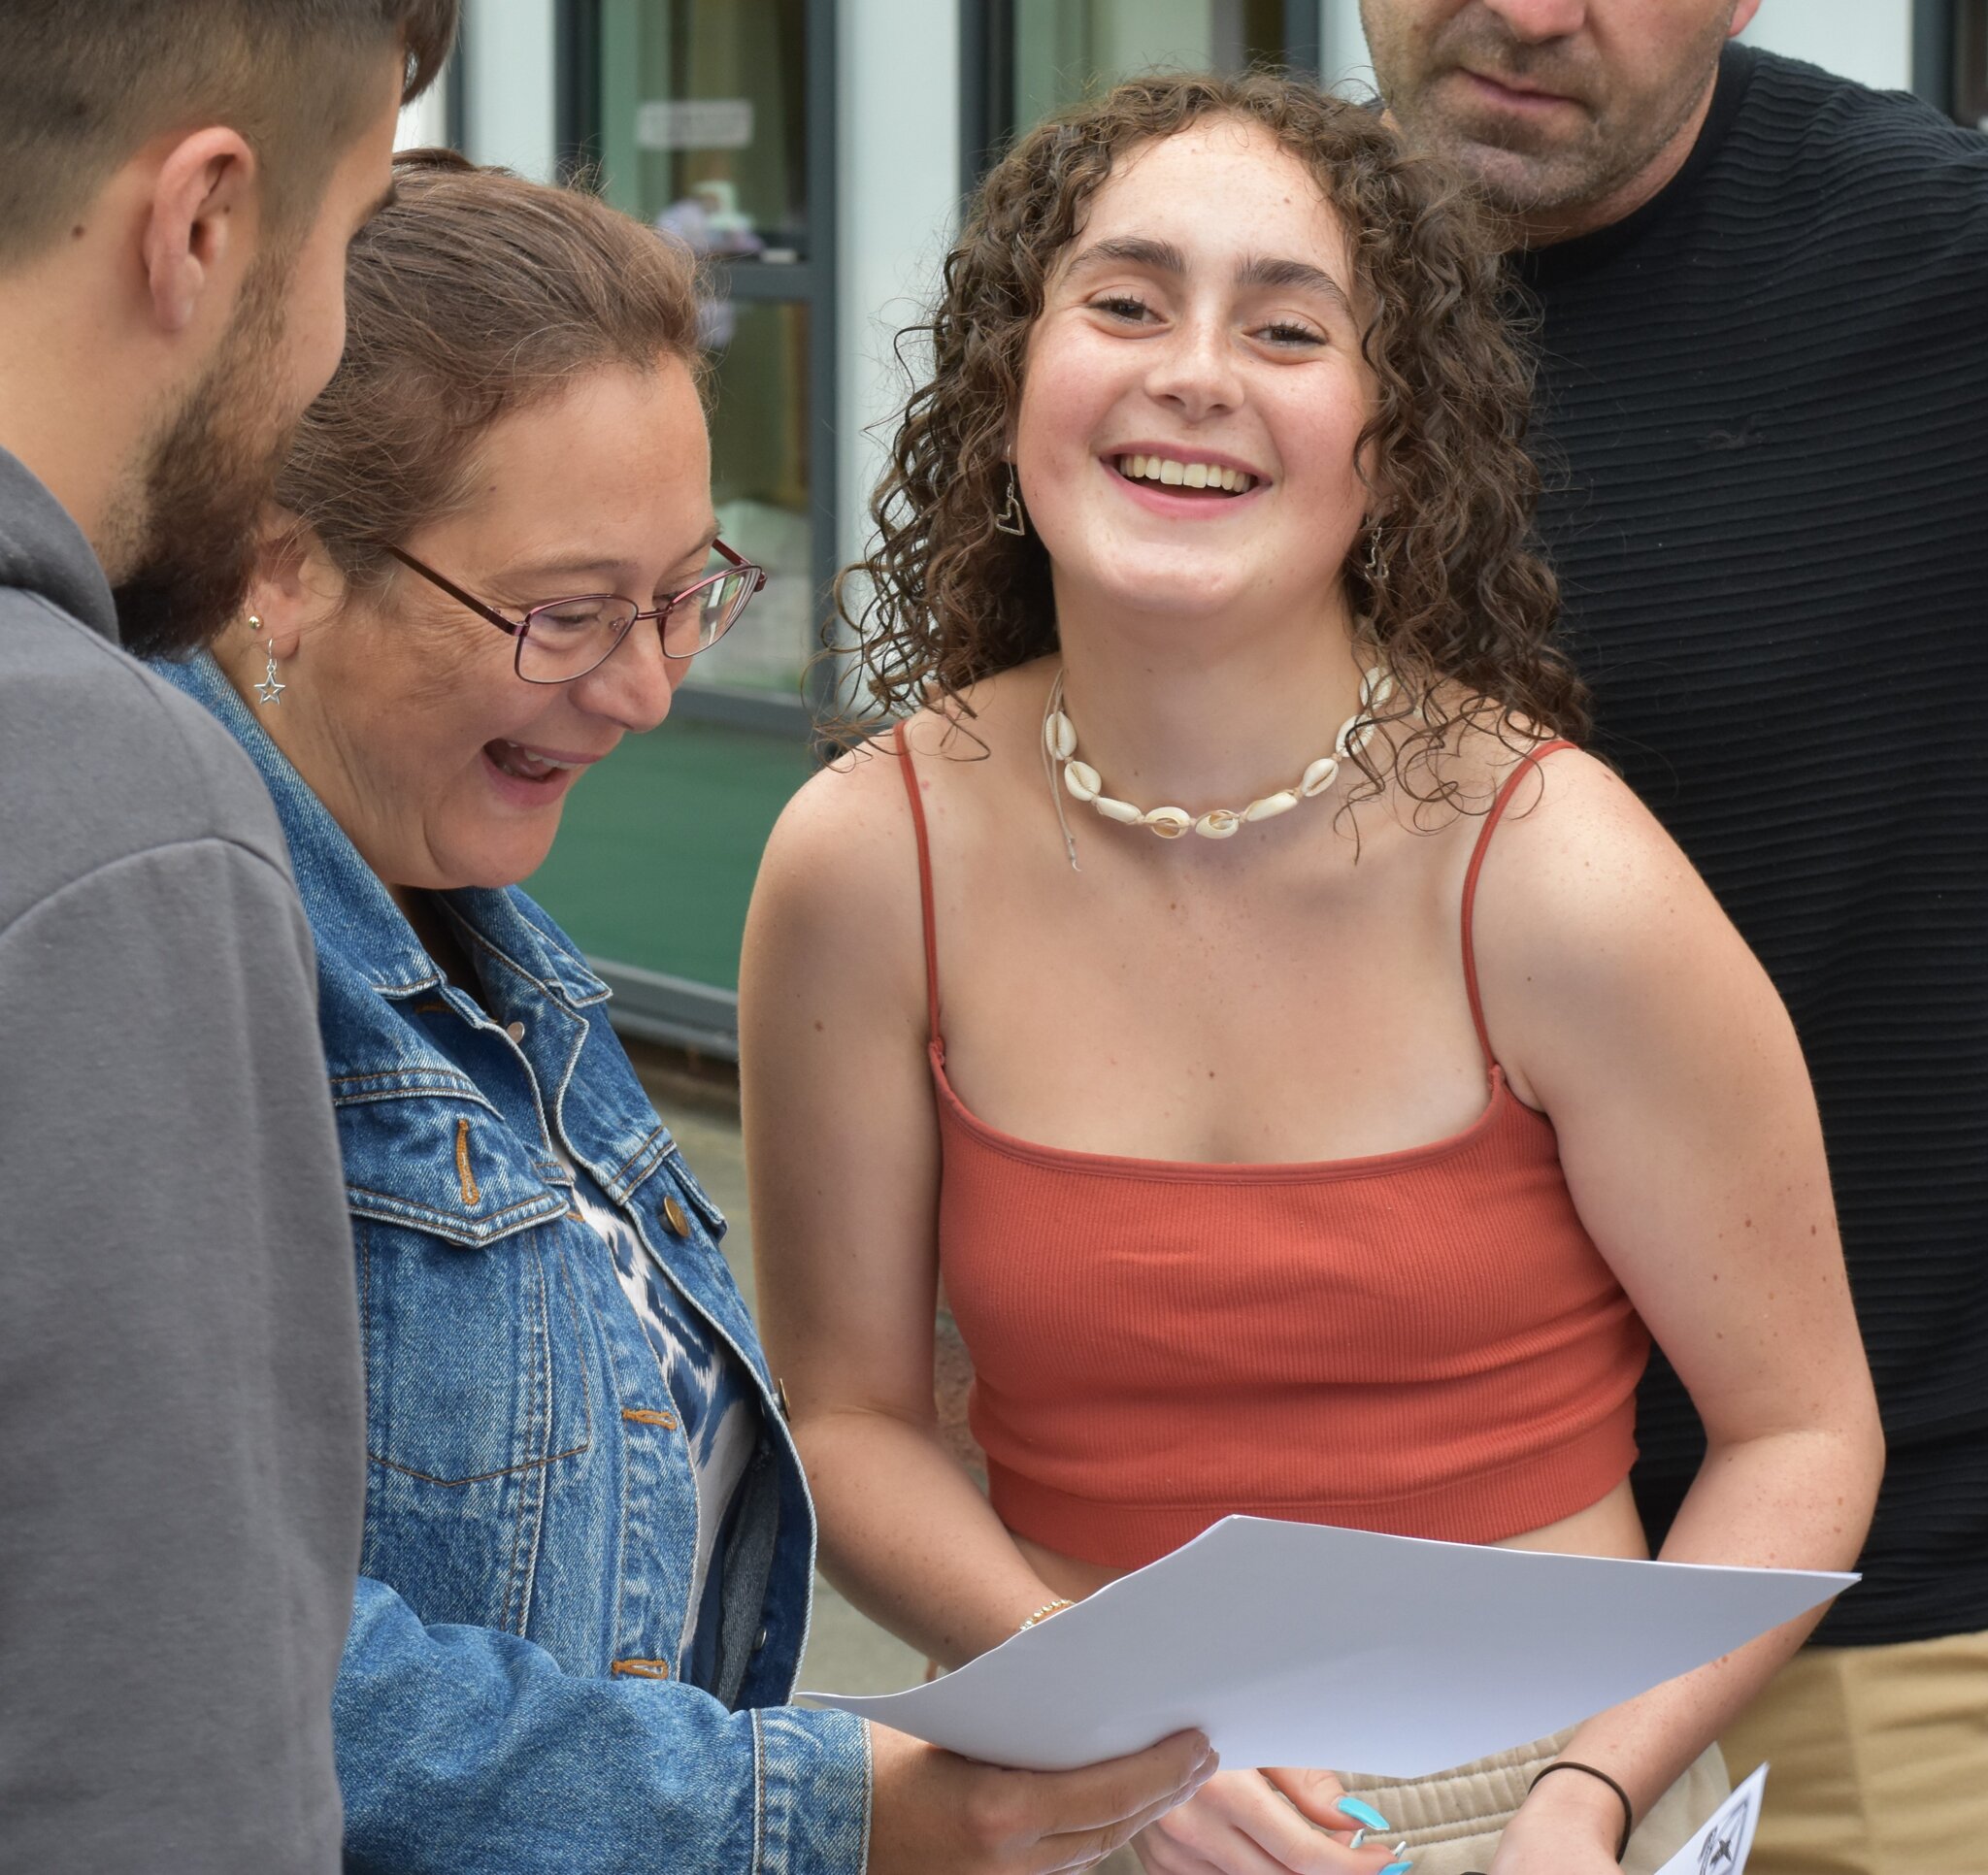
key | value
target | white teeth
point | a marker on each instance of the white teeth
(526, 763)
(1174, 474)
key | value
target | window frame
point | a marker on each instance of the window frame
(811, 283)
(986, 71)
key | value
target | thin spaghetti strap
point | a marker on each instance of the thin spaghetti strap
(1526, 763)
(910, 775)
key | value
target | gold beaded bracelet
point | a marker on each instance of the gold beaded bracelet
(1044, 1613)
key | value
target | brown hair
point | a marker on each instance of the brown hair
(83, 86)
(1462, 609)
(474, 295)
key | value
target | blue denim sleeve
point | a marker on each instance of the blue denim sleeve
(466, 1749)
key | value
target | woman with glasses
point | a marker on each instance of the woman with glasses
(588, 1546)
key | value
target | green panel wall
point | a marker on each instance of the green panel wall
(655, 860)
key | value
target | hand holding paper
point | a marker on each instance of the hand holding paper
(1301, 1644)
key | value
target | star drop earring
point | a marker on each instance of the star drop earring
(269, 690)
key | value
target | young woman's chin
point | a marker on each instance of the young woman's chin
(1183, 599)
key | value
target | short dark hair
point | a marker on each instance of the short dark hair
(83, 86)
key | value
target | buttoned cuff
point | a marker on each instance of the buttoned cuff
(814, 1796)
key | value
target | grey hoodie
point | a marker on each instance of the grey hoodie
(181, 1405)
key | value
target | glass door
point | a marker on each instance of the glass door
(1027, 58)
(711, 119)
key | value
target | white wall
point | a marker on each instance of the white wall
(424, 124)
(1870, 41)
(509, 46)
(1342, 46)
(897, 195)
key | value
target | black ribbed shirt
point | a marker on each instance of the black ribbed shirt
(1763, 418)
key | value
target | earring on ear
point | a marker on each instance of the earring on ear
(1012, 519)
(1377, 561)
(269, 690)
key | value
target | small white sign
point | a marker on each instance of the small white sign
(1721, 1847)
(694, 123)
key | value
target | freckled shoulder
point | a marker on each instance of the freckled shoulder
(1583, 890)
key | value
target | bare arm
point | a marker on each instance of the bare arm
(1626, 1007)
(843, 1147)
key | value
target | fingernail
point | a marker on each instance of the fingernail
(1362, 1813)
(1400, 1849)
(1397, 1868)
(1359, 1839)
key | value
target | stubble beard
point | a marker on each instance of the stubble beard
(1522, 176)
(202, 483)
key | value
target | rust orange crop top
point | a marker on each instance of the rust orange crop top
(1425, 1342)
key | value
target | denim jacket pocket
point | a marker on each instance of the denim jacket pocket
(476, 1363)
(712, 1218)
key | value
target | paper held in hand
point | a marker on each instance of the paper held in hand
(1722, 1846)
(1300, 1644)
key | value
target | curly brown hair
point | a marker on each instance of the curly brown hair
(1461, 607)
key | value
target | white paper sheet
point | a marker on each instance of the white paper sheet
(1299, 1644)
(1722, 1846)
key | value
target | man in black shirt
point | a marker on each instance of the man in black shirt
(1763, 423)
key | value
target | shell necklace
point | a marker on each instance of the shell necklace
(1082, 782)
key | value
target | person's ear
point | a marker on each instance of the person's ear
(295, 586)
(200, 223)
(1742, 18)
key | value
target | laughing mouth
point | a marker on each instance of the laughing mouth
(526, 764)
(1171, 472)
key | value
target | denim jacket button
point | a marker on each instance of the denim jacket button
(759, 1641)
(675, 1218)
(514, 1030)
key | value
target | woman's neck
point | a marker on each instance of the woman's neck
(1205, 713)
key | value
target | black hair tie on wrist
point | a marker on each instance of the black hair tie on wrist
(1628, 1808)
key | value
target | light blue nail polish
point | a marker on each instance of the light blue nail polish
(1397, 1868)
(1362, 1813)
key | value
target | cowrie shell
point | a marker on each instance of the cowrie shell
(1273, 805)
(1170, 823)
(1118, 810)
(1354, 735)
(1376, 688)
(1219, 823)
(1082, 780)
(1060, 734)
(1317, 777)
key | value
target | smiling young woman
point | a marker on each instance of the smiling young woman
(1315, 1081)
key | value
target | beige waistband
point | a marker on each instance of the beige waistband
(1471, 1800)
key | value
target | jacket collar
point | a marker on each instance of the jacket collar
(43, 550)
(350, 909)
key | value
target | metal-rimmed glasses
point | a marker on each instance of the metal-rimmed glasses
(565, 638)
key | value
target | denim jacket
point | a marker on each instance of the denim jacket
(508, 1698)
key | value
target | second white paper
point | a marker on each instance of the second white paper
(1301, 1644)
